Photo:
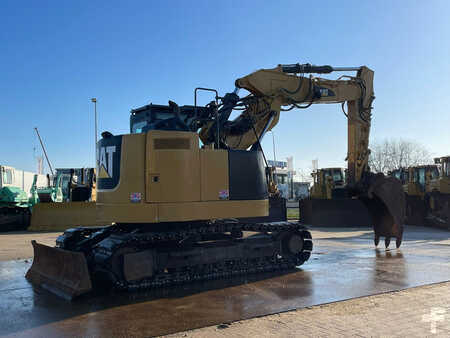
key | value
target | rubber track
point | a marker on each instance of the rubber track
(217, 270)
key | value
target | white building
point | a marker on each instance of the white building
(284, 178)
(12, 177)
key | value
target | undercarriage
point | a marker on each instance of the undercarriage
(14, 218)
(131, 257)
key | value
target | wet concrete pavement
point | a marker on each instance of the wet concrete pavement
(344, 265)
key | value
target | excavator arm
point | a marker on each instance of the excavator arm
(288, 87)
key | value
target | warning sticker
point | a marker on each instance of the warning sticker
(223, 194)
(135, 197)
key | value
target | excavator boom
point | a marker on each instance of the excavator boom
(288, 87)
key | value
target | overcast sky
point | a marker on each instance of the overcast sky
(56, 55)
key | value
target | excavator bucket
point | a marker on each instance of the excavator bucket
(62, 216)
(62, 272)
(386, 204)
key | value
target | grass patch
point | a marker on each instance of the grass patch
(292, 213)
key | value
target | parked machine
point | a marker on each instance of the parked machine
(14, 198)
(327, 181)
(51, 192)
(417, 185)
(180, 210)
(437, 197)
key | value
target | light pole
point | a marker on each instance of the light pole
(275, 178)
(94, 100)
(273, 141)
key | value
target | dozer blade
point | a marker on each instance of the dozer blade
(342, 212)
(387, 208)
(62, 216)
(62, 272)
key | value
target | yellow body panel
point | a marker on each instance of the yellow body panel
(61, 216)
(177, 212)
(214, 174)
(180, 212)
(172, 167)
(132, 172)
(177, 181)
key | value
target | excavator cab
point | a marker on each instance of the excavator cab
(420, 178)
(401, 174)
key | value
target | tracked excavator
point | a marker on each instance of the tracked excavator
(187, 182)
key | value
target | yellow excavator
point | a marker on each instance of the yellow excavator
(416, 187)
(180, 206)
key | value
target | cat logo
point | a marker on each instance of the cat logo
(106, 162)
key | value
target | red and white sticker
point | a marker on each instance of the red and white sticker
(135, 197)
(224, 194)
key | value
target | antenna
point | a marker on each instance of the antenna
(43, 148)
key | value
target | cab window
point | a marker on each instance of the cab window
(337, 176)
(421, 176)
(7, 176)
(434, 173)
(138, 126)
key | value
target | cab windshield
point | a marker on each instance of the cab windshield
(7, 176)
(434, 173)
(136, 128)
(446, 168)
(420, 176)
(337, 176)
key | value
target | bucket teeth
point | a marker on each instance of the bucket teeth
(387, 241)
(376, 240)
(398, 242)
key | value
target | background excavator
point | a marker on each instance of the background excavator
(179, 210)
(416, 185)
(325, 181)
(427, 192)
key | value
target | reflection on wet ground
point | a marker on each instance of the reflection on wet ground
(340, 268)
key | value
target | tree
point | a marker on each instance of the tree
(393, 154)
